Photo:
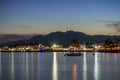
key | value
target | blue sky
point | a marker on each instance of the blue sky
(45, 16)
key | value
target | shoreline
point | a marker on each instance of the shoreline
(105, 51)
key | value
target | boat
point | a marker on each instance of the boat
(73, 54)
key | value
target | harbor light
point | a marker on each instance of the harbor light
(54, 46)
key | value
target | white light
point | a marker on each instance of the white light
(96, 47)
(27, 48)
(84, 48)
(40, 45)
(54, 45)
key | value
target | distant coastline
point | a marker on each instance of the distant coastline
(105, 51)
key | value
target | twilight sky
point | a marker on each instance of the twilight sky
(45, 16)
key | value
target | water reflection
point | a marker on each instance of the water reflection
(64, 67)
(96, 67)
(32, 66)
(38, 67)
(55, 69)
(42, 66)
(27, 66)
(12, 67)
(75, 72)
(85, 67)
(55, 66)
(0, 67)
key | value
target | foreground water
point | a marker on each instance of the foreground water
(56, 66)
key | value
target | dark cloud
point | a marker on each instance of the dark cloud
(116, 22)
(112, 24)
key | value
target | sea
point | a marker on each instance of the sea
(56, 66)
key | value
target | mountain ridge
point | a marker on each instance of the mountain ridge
(64, 38)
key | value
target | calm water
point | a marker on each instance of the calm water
(56, 66)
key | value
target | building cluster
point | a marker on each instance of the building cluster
(57, 47)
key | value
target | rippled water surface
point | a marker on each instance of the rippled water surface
(56, 66)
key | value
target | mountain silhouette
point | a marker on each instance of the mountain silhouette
(64, 38)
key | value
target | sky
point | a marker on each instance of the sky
(93, 17)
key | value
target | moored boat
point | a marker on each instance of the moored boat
(73, 54)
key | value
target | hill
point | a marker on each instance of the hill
(64, 38)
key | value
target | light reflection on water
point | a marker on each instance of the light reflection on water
(85, 67)
(54, 70)
(75, 72)
(32, 66)
(38, 66)
(56, 66)
(12, 67)
(27, 66)
(96, 67)
(0, 67)
(42, 67)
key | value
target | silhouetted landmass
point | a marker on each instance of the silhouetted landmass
(58, 37)
(14, 37)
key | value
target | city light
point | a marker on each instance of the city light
(54, 45)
